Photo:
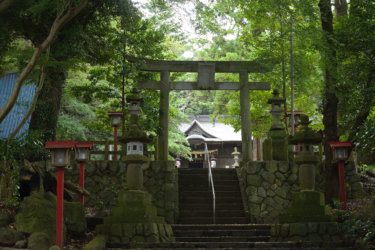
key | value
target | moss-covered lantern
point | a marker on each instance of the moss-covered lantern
(135, 140)
(276, 101)
(305, 138)
(134, 137)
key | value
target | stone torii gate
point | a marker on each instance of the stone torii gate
(206, 81)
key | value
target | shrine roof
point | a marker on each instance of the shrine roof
(212, 130)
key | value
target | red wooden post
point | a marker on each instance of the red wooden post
(82, 181)
(340, 153)
(342, 185)
(115, 122)
(115, 145)
(60, 207)
(60, 159)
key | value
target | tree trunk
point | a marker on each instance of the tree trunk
(341, 8)
(47, 109)
(59, 22)
(330, 101)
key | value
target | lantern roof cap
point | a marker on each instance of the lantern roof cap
(339, 144)
(134, 96)
(235, 152)
(305, 135)
(84, 144)
(115, 113)
(275, 97)
(60, 144)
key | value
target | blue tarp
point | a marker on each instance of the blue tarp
(20, 109)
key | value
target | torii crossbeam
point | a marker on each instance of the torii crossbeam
(206, 81)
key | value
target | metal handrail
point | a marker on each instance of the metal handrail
(210, 183)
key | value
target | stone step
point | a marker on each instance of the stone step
(208, 199)
(224, 239)
(206, 187)
(194, 181)
(199, 245)
(208, 205)
(222, 227)
(230, 245)
(208, 213)
(209, 220)
(206, 194)
(205, 170)
(204, 178)
(224, 232)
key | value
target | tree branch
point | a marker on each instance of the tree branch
(56, 26)
(35, 98)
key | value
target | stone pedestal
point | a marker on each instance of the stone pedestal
(307, 206)
(279, 140)
(319, 234)
(308, 220)
(276, 146)
(134, 221)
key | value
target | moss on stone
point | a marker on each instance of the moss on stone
(98, 243)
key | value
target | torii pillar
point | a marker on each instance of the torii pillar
(206, 81)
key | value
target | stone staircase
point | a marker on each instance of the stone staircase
(196, 200)
(231, 231)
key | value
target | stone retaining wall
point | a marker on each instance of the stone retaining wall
(269, 186)
(104, 179)
(353, 184)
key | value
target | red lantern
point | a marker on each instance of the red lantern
(82, 155)
(341, 154)
(60, 159)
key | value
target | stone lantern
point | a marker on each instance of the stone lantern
(236, 157)
(275, 147)
(135, 138)
(135, 210)
(276, 110)
(307, 204)
(305, 157)
(307, 214)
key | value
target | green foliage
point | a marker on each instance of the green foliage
(365, 138)
(359, 226)
(12, 152)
